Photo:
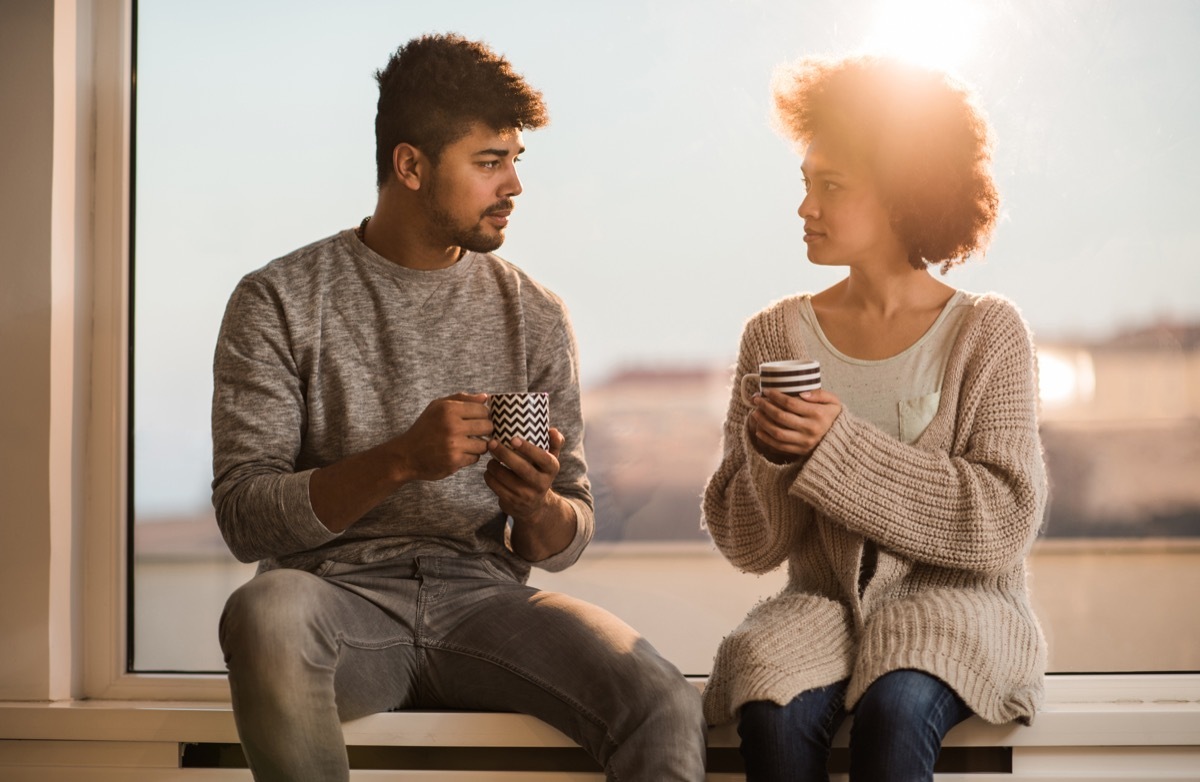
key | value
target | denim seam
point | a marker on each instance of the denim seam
(837, 706)
(948, 698)
(495, 571)
(419, 628)
(374, 646)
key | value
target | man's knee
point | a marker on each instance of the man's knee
(269, 610)
(662, 691)
(682, 701)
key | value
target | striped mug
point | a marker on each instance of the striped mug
(791, 377)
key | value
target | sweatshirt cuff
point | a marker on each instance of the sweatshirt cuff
(583, 535)
(302, 520)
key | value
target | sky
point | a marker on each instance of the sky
(659, 202)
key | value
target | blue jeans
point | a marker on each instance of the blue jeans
(899, 724)
(307, 651)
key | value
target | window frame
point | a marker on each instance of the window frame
(106, 545)
(108, 38)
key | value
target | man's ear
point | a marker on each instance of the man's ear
(409, 165)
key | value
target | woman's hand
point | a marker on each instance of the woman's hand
(786, 428)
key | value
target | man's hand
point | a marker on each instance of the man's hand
(520, 476)
(450, 434)
(787, 428)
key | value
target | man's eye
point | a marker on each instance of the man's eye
(490, 164)
(832, 186)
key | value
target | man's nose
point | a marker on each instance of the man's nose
(512, 184)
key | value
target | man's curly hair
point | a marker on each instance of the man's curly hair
(434, 87)
(918, 131)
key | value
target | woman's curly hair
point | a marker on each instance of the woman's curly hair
(919, 132)
(434, 87)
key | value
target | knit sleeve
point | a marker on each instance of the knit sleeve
(262, 503)
(975, 507)
(746, 507)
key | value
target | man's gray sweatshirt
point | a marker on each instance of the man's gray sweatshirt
(332, 350)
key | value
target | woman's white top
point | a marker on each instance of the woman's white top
(898, 394)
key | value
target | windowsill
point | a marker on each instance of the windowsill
(1173, 723)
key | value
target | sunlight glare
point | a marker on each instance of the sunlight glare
(933, 33)
(1065, 377)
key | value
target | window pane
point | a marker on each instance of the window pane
(661, 205)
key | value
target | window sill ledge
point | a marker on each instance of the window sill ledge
(1142, 724)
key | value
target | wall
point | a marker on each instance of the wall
(44, 209)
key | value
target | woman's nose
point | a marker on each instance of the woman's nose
(808, 207)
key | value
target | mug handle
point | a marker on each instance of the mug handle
(751, 376)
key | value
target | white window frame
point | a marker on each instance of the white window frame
(105, 541)
(106, 537)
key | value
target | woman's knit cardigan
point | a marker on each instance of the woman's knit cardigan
(954, 516)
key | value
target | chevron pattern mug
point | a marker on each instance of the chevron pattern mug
(524, 414)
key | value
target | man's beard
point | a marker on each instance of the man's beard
(473, 237)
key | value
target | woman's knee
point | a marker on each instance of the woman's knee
(899, 724)
(908, 707)
(764, 722)
(905, 695)
(811, 717)
(792, 741)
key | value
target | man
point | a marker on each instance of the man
(353, 457)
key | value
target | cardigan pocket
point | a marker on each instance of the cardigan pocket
(915, 414)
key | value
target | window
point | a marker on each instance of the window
(661, 206)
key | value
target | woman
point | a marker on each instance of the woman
(906, 492)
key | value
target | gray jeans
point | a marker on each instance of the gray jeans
(306, 651)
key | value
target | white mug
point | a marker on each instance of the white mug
(792, 377)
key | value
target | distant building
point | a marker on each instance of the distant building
(1121, 428)
(1120, 424)
(653, 438)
